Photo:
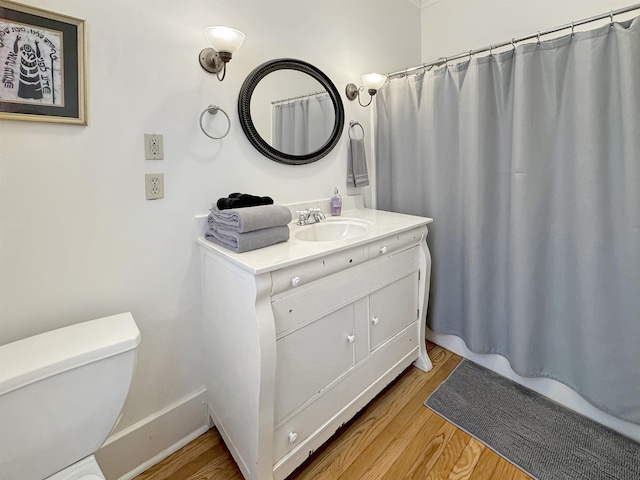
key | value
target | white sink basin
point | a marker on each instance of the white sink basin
(331, 230)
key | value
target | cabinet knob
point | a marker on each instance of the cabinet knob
(351, 338)
(295, 281)
(383, 250)
(375, 320)
(293, 436)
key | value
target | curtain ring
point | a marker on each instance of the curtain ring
(446, 62)
(611, 16)
(470, 54)
(491, 51)
(212, 110)
(513, 44)
(538, 38)
(573, 33)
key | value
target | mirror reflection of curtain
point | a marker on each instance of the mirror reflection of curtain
(303, 125)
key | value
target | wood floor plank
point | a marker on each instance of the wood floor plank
(176, 464)
(417, 462)
(382, 466)
(468, 460)
(394, 437)
(505, 470)
(374, 421)
(380, 444)
(452, 451)
(217, 471)
(348, 444)
(486, 465)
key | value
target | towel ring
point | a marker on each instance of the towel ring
(212, 110)
(353, 123)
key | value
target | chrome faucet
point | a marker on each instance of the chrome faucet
(309, 216)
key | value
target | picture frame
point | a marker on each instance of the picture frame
(42, 65)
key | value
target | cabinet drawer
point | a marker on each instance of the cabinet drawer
(304, 273)
(293, 309)
(394, 243)
(392, 308)
(311, 358)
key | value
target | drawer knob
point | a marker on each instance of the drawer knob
(295, 281)
(375, 320)
(383, 250)
(293, 436)
(351, 338)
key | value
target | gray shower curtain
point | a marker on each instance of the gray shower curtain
(529, 163)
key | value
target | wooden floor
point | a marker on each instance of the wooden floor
(394, 437)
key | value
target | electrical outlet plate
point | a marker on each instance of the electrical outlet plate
(154, 185)
(153, 148)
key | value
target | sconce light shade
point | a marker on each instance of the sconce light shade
(372, 82)
(224, 39)
(224, 42)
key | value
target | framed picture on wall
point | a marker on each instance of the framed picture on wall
(42, 65)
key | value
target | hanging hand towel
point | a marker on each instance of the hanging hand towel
(357, 165)
(243, 242)
(248, 219)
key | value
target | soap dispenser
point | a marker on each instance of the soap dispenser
(336, 203)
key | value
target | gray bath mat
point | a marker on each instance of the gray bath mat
(543, 438)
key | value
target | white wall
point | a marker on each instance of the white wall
(79, 241)
(450, 27)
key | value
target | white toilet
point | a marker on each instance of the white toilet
(61, 393)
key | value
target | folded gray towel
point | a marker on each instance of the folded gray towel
(248, 219)
(357, 174)
(243, 242)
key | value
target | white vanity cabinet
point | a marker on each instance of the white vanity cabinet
(296, 348)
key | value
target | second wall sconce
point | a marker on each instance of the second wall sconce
(224, 42)
(372, 82)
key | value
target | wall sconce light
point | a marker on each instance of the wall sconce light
(224, 42)
(372, 82)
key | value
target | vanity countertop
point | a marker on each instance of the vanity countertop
(293, 251)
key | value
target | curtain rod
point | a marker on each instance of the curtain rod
(513, 41)
(284, 100)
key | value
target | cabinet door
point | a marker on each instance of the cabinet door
(311, 358)
(392, 308)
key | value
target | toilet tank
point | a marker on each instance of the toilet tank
(61, 393)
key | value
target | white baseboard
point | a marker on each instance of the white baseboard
(140, 446)
(544, 386)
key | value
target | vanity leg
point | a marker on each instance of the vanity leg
(424, 362)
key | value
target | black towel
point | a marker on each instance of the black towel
(241, 200)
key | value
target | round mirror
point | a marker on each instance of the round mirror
(290, 111)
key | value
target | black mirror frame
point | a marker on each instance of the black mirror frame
(244, 110)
